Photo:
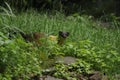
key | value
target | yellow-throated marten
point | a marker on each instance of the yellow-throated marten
(36, 36)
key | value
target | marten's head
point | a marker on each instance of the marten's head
(63, 34)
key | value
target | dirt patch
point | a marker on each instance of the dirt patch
(66, 60)
(52, 78)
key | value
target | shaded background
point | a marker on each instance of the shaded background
(96, 8)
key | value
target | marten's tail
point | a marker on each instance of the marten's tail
(11, 32)
(19, 31)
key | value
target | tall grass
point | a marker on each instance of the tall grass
(80, 27)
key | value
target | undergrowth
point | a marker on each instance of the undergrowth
(96, 47)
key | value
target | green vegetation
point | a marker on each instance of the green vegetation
(96, 47)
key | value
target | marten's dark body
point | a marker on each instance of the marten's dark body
(33, 37)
